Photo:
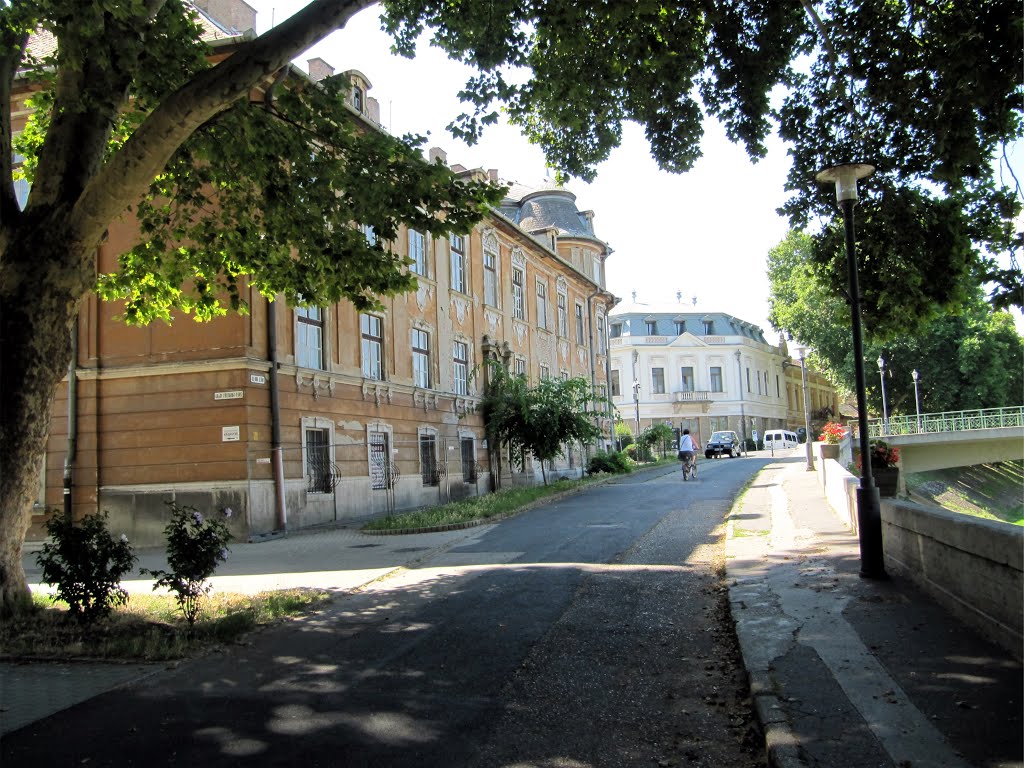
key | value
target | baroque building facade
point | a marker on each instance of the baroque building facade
(302, 417)
(703, 371)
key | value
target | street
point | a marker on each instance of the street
(593, 631)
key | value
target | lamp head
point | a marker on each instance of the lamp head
(845, 178)
(881, 362)
(914, 374)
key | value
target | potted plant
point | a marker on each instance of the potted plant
(831, 435)
(884, 460)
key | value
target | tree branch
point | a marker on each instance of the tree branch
(832, 56)
(127, 175)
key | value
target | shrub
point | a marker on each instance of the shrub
(613, 462)
(195, 547)
(85, 563)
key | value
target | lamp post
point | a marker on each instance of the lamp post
(869, 508)
(743, 416)
(885, 406)
(636, 392)
(917, 400)
(807, 409)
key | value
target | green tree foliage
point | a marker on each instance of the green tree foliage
(541, 419)
(973, 358)
(929, 93)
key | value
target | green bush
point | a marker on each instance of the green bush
(85, 563)
(614, 462)
(196, 545)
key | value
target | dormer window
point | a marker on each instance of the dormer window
(680, 327)
(652, 327)
(709, 327)
(357, 98)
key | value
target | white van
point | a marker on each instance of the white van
(780, 438)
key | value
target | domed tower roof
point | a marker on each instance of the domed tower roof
(547, 206)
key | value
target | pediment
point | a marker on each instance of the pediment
(687, 339)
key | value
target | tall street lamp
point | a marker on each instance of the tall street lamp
(743, 416)
(885, 406)
(636, 392)
(807, 409)
(917, 400)
(869, 508)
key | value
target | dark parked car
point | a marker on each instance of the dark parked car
(723, 443)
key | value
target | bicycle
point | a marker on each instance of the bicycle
(690, 467)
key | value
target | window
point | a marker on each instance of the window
(709, 327)
(686, 378)
(542, 304)
(658, 381)
(468, 459)
(580, 335)
(380, 461)
(651, 326)
(318, 461)
(563, 315)
(716, 378)
(778, 390)
(309, 337)
(563, 375)
(602, 343)
(418, 252)
(719, 423)
(357, 98)
(518, 296)
(372, 333)
(461, 366)
(766, 382)
(458, 258)
(748, 379)
(616, 330)
(616, 387)
(597, 271)
(420, 358)
(491, 271)
(369, 233)
(428, 459)
(680, 327)
(757, 375)
(520, 366)
(545, 372)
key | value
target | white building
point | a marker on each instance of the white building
(703, 371)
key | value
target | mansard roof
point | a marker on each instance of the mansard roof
(547, 206)
(667, 314)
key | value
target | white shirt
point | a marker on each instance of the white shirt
(686, 444)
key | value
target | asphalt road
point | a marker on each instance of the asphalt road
(590, 632)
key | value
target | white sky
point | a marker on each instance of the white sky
(705, 233)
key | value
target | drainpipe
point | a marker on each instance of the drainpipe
(593, 361)
(69, 456)
(276, 452)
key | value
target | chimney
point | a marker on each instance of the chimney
(373, 109)
(235, 16)
(492, 174)
(319, 69)
(437, 154)
(457, 168)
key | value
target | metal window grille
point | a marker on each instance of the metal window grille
(318, 461)
(428, 459)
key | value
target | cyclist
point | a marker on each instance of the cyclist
(688, 453)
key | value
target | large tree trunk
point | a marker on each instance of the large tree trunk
(34, 355)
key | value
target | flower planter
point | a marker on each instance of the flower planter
(829, 451)
(887, 480)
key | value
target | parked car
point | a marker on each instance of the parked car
(725, 442)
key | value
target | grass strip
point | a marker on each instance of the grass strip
(148, 627)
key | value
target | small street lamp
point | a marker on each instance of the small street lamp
(885, 407)
(636, 401)
(869, 507)
(807, 408)
(743, 416)
(917, 399)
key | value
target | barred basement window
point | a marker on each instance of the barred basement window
(318, 461)
(428, 459)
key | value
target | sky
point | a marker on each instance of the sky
(704, 234)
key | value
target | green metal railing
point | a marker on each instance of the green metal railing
(951, 421)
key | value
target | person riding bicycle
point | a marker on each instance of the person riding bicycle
(688, 453)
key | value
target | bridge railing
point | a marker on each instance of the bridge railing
(951, 421)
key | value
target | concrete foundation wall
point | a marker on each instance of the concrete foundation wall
(972, 566)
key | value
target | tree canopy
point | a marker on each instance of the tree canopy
(928, 93)
(973, 358)
(541, 419)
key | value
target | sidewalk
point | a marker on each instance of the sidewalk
(851, 672)
(340, 559)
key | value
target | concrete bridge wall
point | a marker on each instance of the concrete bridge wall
(971, 566)
(944, 450)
